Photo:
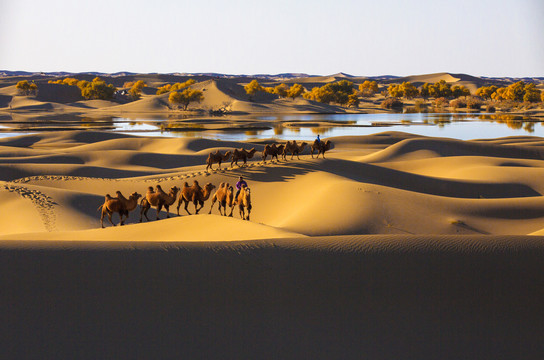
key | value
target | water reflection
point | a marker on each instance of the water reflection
(303, 127)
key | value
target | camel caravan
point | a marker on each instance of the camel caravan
(197, 195)
(158, 198)
(270, 150)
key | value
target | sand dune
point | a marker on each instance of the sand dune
(394, 246)
(382, 297)
(383, 183)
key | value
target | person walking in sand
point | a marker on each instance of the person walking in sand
(241, 183)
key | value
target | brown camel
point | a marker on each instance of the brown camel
(273, 151)
(128, 204)
(224, 195)
(111, 205)
(320, 147)
(241, 154)
(158, 199)
(244, 202)
(216, 157)
(293, 149)
(194, 194)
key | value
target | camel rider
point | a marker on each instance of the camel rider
(241, 183)
(318, 140)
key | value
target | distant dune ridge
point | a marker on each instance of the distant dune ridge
(220, 91)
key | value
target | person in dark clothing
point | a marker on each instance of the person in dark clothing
(241, 182)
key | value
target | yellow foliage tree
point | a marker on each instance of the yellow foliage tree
(185, 97)
(368, 88)
(409, 91)
(26, 88)
(136, 89)
(295, 91)
(252, 88)
(281, 90)
(97, 89)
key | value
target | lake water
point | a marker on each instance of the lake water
(306, 127)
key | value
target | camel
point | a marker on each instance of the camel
(273, 151)
(241, 154)
(294, 149)
(194, 194)
(224, 195)
(216, 158)
(158, 199)
(244, 202)
(320, 147)
(128, 204)
(111, 205)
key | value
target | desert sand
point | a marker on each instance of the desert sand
(393, 246)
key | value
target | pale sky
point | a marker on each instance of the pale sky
(358, 37)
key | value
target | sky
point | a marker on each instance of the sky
(357, 37)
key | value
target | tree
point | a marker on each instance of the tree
(185, 97)
(368, 88)
(175, 87)
(515, 91)
(252, 88)
(409, 90)
(395, 90)
(532, 94)
(486, 91)
(499, 94)
(295, 91)
(459, 90)
(281, 90)
(425, 91)
(353, 100)
(322, 94)
(26, 88)
(136, 89)
(97, 89)
(542, 96)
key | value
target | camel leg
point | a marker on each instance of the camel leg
(197, 209)
(187, 204)
(102, 219)
(231, 210)
(159, 208)
(242, 214)
(211, 207)
(248, 212)
(109, 218)
(179, 205)
(167, 208)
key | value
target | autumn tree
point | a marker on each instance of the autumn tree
(295, 91)
(175, 87)
(409, 90)
(368, 88)
(321, 94)
(515, 91)
(252, 88)
(395, 90)
(96, 89)
(26, 88)
(337, 92)
(499, 94)
(459, 90)
(136, 90)
(185, 97)
(281, 90)
(486, 91)
(532, 94)
(425, 91)
(353, 100)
